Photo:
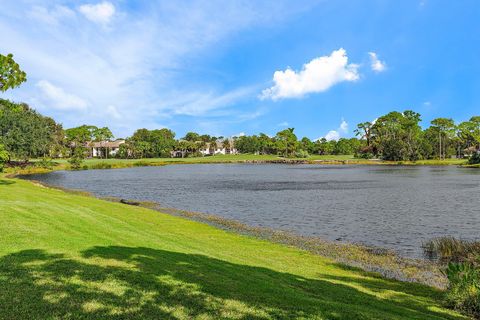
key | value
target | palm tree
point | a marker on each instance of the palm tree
(213, 146)
(227, 145)
(364, 131)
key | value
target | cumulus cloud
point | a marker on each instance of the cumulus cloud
(141, 67)
(100, 13)
(337, 134)
(332, 135)
(376, 64)
(58, 99)
(317, 75)
(344, 126)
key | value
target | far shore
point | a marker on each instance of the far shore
(114, 163)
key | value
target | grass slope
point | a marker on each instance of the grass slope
(65, 256)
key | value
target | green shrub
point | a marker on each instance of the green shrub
(101, 165)
(45, 163)
(75, 163)
(461, 262)
(301, 154)
(463, 291)
(364, 155)
(475, 158)
(445, 250)
(4, 157)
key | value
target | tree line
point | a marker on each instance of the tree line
(396, 136)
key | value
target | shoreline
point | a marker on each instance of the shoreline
(383, 261)
(92, 164)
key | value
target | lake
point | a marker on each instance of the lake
(396, 207)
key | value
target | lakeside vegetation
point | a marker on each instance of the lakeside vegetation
(396, 136)
(56, 259)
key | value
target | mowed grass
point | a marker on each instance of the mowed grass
(66, 256)
(213, 159)
(239, 158)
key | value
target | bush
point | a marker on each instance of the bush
(463, 291)
(301, 154)
(45, 163)
(475, 158)
(4, 157)
(445, 250)
(101, 165)
(461, 262)
(76, 163)
(366, 155)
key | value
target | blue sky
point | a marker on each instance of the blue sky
(231, 67)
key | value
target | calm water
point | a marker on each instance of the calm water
(393, 207)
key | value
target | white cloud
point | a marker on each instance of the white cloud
(113, 112)
(241, 134)
(332, 135)
(317, 75)
(337, 134)
(51, 16)
(376, 64)
(344, 126)
(283, 124)
(196, 103)
(58, 99)
(100, 13)
(142, 67)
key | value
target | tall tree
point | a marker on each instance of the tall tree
(11, 76)
(24, 132)
(364, 131)
(445, 128)
(287, 141)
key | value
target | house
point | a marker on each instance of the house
(219, 148)
(208, 149)
(104, 149)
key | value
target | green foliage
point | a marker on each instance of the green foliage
(26, 133)
(11, 76)
(474, 159)
(151, 143)
(396, 136)
(461, 261)
(77, 158)
(301, 154)
(45, 163)
(286, 142)
(4, 157)
(463, 293)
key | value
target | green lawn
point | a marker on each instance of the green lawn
(216, 158)
(65, 256)
(334, 159)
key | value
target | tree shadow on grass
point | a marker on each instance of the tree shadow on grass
(143, 283)
(4, 182)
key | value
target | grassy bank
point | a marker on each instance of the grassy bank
(60, 164)
(65, 256)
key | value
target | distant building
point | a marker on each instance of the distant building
(208, 149)
(219, 147)
(104, 149)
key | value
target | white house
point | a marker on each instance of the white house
(219, 148)
(104, 149)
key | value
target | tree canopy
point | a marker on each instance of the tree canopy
(11, 76)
